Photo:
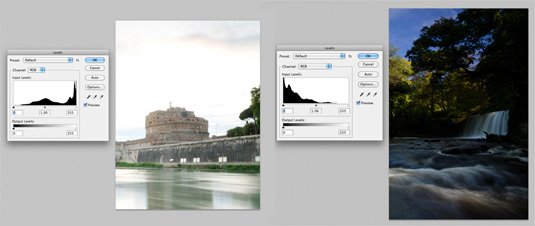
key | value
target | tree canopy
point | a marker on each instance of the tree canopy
(457, 67)
(250, 115)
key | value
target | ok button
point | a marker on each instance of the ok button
(95, 59)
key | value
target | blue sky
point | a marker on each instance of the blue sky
(405, 24)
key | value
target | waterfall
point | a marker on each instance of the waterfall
(492, 123)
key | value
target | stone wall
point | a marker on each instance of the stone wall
(132, 144)
(235, 149)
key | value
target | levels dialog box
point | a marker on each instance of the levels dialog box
(57, 95)
(330, 92)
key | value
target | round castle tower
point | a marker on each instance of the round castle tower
(174, 125)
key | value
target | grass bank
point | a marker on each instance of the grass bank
(140, 165)
(250, 168)
(241, 167)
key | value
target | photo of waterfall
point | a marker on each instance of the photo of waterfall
(491, 123)
(458, 115)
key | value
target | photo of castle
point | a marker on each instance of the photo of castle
(202, 151)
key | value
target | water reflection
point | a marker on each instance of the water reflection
(178, 189)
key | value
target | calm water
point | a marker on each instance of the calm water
(179, 189)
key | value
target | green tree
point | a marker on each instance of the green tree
(255, 106)
(474, 63)
(235, 132)
(400, 88)
(250, 115)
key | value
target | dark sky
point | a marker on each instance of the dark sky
(405, 25)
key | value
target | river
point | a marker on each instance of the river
(450, 178)
(169, 188)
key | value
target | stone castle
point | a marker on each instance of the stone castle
(172, 126)
(178, 136)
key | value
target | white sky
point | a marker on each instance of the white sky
(208, 67)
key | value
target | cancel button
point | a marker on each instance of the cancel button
(94, 87)
(94, 68)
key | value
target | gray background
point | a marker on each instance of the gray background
(307, 183)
